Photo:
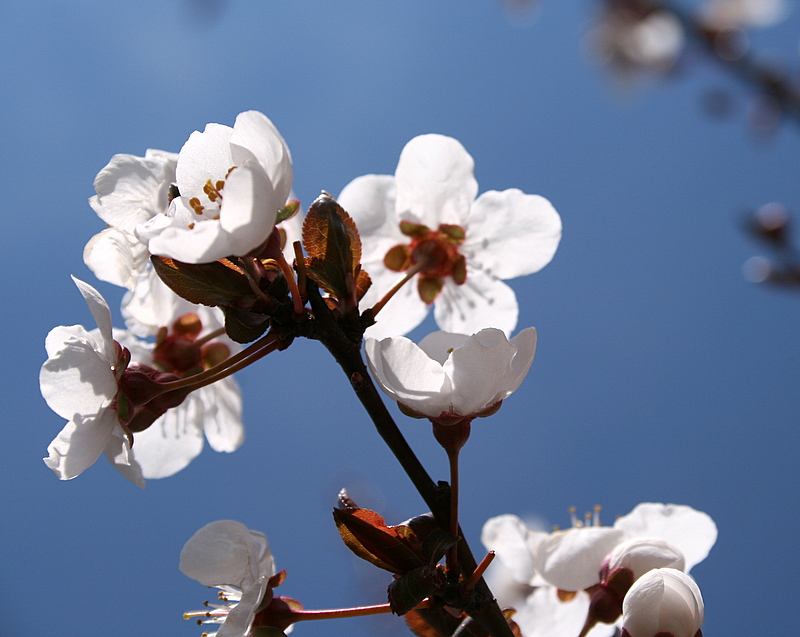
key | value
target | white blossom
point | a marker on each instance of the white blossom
(470, 244)
(451, 374)
(226, 554)
(232, 182)
(78, 382)
(651, 536)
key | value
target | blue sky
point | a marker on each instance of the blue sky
(660, 375)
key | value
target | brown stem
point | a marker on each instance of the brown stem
(347, 353)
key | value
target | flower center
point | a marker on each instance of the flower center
(433, 253)
(208, 204)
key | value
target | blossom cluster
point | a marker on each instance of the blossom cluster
(592, 579)
(207, 245)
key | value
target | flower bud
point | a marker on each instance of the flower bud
(663, 602)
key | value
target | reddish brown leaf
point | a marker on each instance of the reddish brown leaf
(367, 535)
(214, 284)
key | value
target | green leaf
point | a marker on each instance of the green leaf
(214, 284)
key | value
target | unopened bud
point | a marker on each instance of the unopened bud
(664, 601)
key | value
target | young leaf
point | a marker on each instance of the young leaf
(411, 588)
(331, 240)
(366, 534)
(243, 326)
(217, 283)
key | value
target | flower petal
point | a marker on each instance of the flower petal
(172, 441)
(118, 453)
(690, 531)
(222, 421)
(545, 615)
(370, 201)
(102, 316)
(440, 345)
(507, 536)
(237, 623)
(204, 156)
(255, 136)
(130, 190)
(80, 443)
(483, 301)
(75, 379)
(249, 208)
(404, 311)
(227, 552)
(110, 255)
(435, 181)
(511, 234)
(480, 371)
(408, 376)
(571, 559)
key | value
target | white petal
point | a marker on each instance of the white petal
(237, 623)
(75, 379)
(204, 156)
(692, 532)
(511, 234)
(257, 136)
(172, 441)
(544, 615)
(130, 190)
(204, 243)
(407, 375)
(480, 371)
(440, 345)
(640, 555)
(222, 421)
(483, 301)
(571, 559)
(525, 342)
(80, 443)
(150, 304)
(370, 201)
(110, 255)
(435, 181)
(249, 208)
(404, 311)
(507, 536)
(118, 453)
(227, 552)
(102, 316)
